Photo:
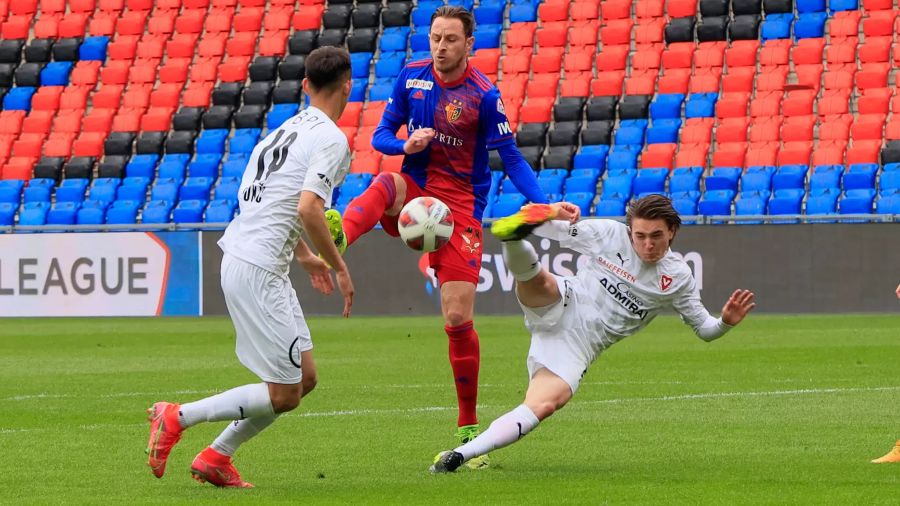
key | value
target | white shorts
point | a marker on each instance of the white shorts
(562, 337)
(271, 331)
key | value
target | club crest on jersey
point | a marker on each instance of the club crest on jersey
(454, 110)
(665, 282)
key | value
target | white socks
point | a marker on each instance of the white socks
(504, 431)
(238, 432)
(521, 259)
(247, 401)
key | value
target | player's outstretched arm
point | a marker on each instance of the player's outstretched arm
(318, 270)
(738, 306)
(312, 214)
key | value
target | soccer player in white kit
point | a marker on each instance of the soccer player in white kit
(286, 186)
(631, 278)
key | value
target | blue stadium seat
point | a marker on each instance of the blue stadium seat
(591, 157)
(650, 181)
(220, 211)
(465, 4)
(63, 213)
(7, 214)
(213, 141)
(105, 189)
(123, 212)
(810, 25)
(559, 174)
(619, 183)
(189, 211)
(522, 11)
(165, 188)
(826, 176)
(667, 106)
(418, 41)
(93, 48)
(758, 178)
(623, 157)
(843, 5)
(355, 184)
(418, 55)
(776, 26)
(390, 64)
(750, 203)
(822, 201)
(281, 113)
(396, 38)
(157, 211)
(724, 178)
(685, 204)
(890, 180)
(133, 188)
(11, 190)
(789, 176)
(810, 6)
(487, 36)
(586, 172)
(686, 195)
(92, 212)
(581, 185)
(582, 200)
(34, 213)
(631, 131)
(886, 204)
(172, 169)
(72, 190)
(358, 90)
(143, 165)
(489, 13)
(507, 204)
(243, 141)
(701, 105)
(786, 201)
(360, 64)
(18, 98)
(234, 166)
(857, 201)
(56, 73)
(716, 202)
(382, 89)
(610, 207)
(891, 167)
(860, 176)
(551, 186)
(196, 188)
(685, 179)
(227, 188)
(663, 131)
(205, 165)
(39, 190)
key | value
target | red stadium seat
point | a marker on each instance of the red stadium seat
(204, 70)
(584, 10)
(18, 167)
(371, 116)
(542, 85)
(879, 23)
(546, 61)
(873, 75)
(249, 19)
(29, 145)
(68, 121)
(761, 153)
(794, 153)
(874, 101)
(692, 155)
(516, 63)
(738, 79)
(182, 45)
(766, 129)
(151, 46)
(867, 127)
(608, 84)
(553, 35)
(351, 115)
(127, 120)
(678, 55)
(273, 43)
(892, 130)
(16, 27)
(212, 46)
(143, 72)
(575, 85)
(840, 78)
(197, 95)
(875, 50)
(649, 31)
(577, 60)
(488, 63)
(240, 44)
(124, 47)
(98, 120)
(808, 51)
(867, 151)
(521, 35)
(828, 155)
(553, 11)
(697, 131)
(798, 128)
(616, 9)
(513, 89)
(775, 53)
(641, 84)
(681, 8)
(585, 36)
(537, 110)
(190, 21)
(218, 22)
(616, 32)
(235, 69)
(674, 81)
(82, 5)
(103, 24)
(109, 96)
(59, 144)
(742, 53)
(75, 97)
(131, 23)
(47, 98)
(709, 54)
(730, 154)
(834, 129)
(363, 140)
(842, 52)
(705, 83)
(350, 133)
(175, 70)
(392, 164)
(844, 24)
(773, 79)
(612, 58)
(38, 122)
(658, 156)
(809, 76)
(140, 5)
(278, 19)
(366, 162)
(89, 144)
(732, 129)
(649, 9)
(47, 26)
(645, 59)
(48, 6)
(115, 72)
(11, 122)
(308, 17)
(137, 97)
(162, 23)
(73, 25)
(732, 105)
(878, 5)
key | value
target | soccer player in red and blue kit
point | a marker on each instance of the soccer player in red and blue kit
(454, 115)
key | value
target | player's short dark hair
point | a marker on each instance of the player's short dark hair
(456, 12)
(328, 67)
(654, 207)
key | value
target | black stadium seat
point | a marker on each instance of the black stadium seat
(634, 106)
(396, 14)
(744, 27)
(39, 50)
(49, 167)
(264, 68)
(113, 166)
(366, 15)
(568, 109)
(362, 40)
(218, 116)
(597, 132)
(7, 71)
(181, 141)
(602, 108)
(119, 143)
(332, 37)
(337, 16)
(79, 167)
(778, 6)
(565, 133)
(187, 118)
(292, 68)
(680, 30)
(303, 42)
(258, 93)
(228, 94)
(531, 134)
(66, 49)
(11, 50)
(891, 152)
(249, 116)
(150, 143)
(287, 92)
(532, 155)
(559, 157)
(29, 74)
(494, 160)
(741, 7)
(713, 8)
(713, 28)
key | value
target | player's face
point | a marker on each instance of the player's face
(449, 44)
(651, 239)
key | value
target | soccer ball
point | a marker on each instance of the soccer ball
(425, 224)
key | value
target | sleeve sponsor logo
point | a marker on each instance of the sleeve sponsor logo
(500, 108)
(504, 128)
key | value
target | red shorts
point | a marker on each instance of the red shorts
(458, 260)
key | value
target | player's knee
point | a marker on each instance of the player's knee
(309, 383)
(455, 318)
(543, 409)
(285, 399)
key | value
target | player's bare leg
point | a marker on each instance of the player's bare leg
(892, 456)
(458, 308)
(546, 394)
(385, 196)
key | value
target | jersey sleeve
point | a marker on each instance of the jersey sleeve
(585, 237)
(327, 167)
(693, 313)
(494, 121)
(397, 107)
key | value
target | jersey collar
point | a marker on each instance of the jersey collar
(455, 83)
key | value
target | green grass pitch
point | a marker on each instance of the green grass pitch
(783, 410)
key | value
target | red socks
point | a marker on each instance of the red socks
(465, 361)
(365, 211)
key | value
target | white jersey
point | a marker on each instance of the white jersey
(627, 294)
(307, 153)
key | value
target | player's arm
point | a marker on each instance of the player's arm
(385, 140)
(586, 237)
(318, 270)
(499, 136)
(707, 327)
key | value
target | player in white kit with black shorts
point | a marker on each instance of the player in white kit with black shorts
(286, 186)
(632, 276)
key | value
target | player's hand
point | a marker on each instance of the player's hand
(418, 140)
(567, 211)
(739, 304)
(898, 291)
(319, 273)
(345, 285)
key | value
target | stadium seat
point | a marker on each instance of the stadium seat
(858, 201)
(860, 176)
(133, 189)
(716, 203)
(34, 213)
(822, 201)
(63, 213)
(750, 203)
(104, 189)
(789, 177)
(38, 190)
(71, 190)
(7, 214)
(156, 211)
(786, 201)
(826, 176)
(724, 178)
(11, 191)
(123, 212)
(650, 180)
(508, 204)
(610, 207)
